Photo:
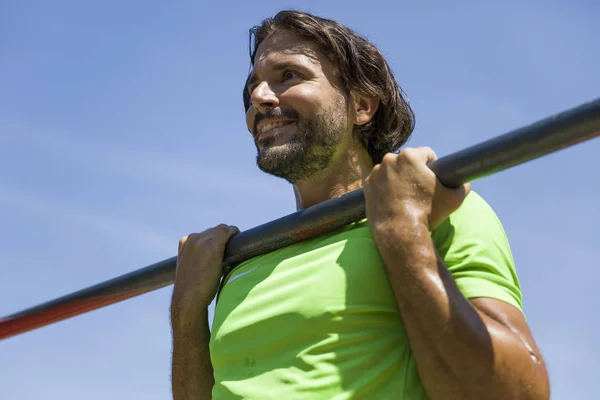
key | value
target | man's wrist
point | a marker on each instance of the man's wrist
(406, 245)
(409, 228)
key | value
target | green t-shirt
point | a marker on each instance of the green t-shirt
(318, 319)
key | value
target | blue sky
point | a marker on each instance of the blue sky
(122, 129)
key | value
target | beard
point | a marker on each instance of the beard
(309, 150)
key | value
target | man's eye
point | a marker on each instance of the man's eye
(289, 75)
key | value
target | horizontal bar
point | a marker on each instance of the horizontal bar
(517, 147)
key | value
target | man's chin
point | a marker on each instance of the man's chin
(277, 172)
(271, 165)
(278, 164)
(279, 152)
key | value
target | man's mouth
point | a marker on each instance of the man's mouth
(270, 127)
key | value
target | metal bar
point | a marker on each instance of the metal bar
(517, 147)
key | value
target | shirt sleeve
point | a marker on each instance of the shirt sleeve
(474, 246)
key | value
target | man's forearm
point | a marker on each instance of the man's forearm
(460, 352)
(192, 372)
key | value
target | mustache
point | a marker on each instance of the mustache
(273, 113)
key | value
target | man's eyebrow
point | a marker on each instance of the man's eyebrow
(281, 65)
(277, 66)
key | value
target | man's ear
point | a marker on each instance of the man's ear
(363, 107)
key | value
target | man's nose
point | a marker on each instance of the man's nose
(263, 98)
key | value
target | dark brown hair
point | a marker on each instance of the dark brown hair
(361, 67)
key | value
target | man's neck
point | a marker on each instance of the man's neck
(345, 175)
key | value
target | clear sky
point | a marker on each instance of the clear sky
(122, 129)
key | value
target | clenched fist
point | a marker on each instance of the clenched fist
(402, 190)
(199, 268)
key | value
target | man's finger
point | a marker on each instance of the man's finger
(428, 154)
(181, 244)
(419, 154)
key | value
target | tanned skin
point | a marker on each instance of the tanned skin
(464, 348)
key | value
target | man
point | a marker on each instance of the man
(419, 301)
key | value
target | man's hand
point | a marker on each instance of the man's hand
(463, 348)
(199, 268)
(403, 187)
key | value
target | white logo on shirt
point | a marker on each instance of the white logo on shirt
(233, 278)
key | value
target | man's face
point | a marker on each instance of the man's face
(297, 116)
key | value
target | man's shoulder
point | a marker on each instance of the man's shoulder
(474, 214)
(474, 206)
(475, 248)
(474, 224)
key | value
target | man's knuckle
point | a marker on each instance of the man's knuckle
(219, 230)
(389, 158)
(412, 154)
(426, 150)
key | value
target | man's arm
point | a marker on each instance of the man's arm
(463, 350)
(192, 371)
(198, 273)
